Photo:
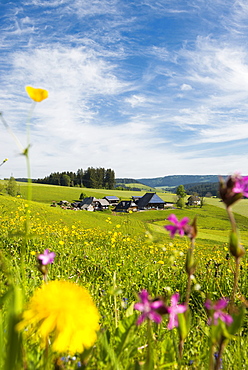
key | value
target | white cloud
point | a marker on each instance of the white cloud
(123, 93)
(135, 100)
(185, 87)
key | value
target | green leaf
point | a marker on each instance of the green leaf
(237, 321)
(184, 321)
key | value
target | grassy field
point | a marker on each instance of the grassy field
(48, 193)
(240, 208)
(115, 256)
(140, 186)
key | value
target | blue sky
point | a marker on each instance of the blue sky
(148, 88)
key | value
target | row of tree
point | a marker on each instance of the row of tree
(91, 178)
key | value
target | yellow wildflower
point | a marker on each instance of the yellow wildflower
(36, 94)
(161, 262)
(65, 313)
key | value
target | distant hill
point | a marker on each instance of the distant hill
(203, 188)
(176, 180)
(126, 181)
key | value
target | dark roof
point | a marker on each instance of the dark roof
(125, 204)
(149, 198)
(194, 198)
(87, 201)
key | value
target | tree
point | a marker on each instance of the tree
(180, 203)
(181, 193)
(109, 181)
(65, 180)
(12, 187)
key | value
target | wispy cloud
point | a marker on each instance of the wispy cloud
(146, 88)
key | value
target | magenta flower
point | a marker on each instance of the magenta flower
(149, 308)
(179, 226)
(47, 257)
(174, 310)
(233, 189)
(240, 184)
(218, 313)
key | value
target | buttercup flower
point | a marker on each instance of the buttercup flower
(179, 226)
(148, 308)
(47, 257)
(218, 313)
(36, 94)
(174, 310)
(5, 160)
(65, 313)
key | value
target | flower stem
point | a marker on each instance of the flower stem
(190, 270)
(231, 218)
(221, 350)
(211, 357)
(149, 364)
(235, 283)
(188, 290)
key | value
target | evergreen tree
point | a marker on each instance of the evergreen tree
(79, 177)
(109, 181)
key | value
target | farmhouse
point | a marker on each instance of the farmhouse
(93, 204)
(150, 201)
(126, 206)
(112, 199)
(193, 200)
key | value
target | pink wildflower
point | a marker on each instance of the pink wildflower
(149, 308)
(234, 188)
(218, 313)
(174, 310)
(47, 257)
(240, 185)
(179, 226)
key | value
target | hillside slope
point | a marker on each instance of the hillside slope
(168, 181)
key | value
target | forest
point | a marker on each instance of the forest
(97, 178)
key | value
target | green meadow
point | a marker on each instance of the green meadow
(115, 256)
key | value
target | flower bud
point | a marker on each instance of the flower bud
(235, 247)
(190, 264)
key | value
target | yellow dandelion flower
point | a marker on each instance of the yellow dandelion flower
(36, 94)
(161, 262)
(65, 313)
